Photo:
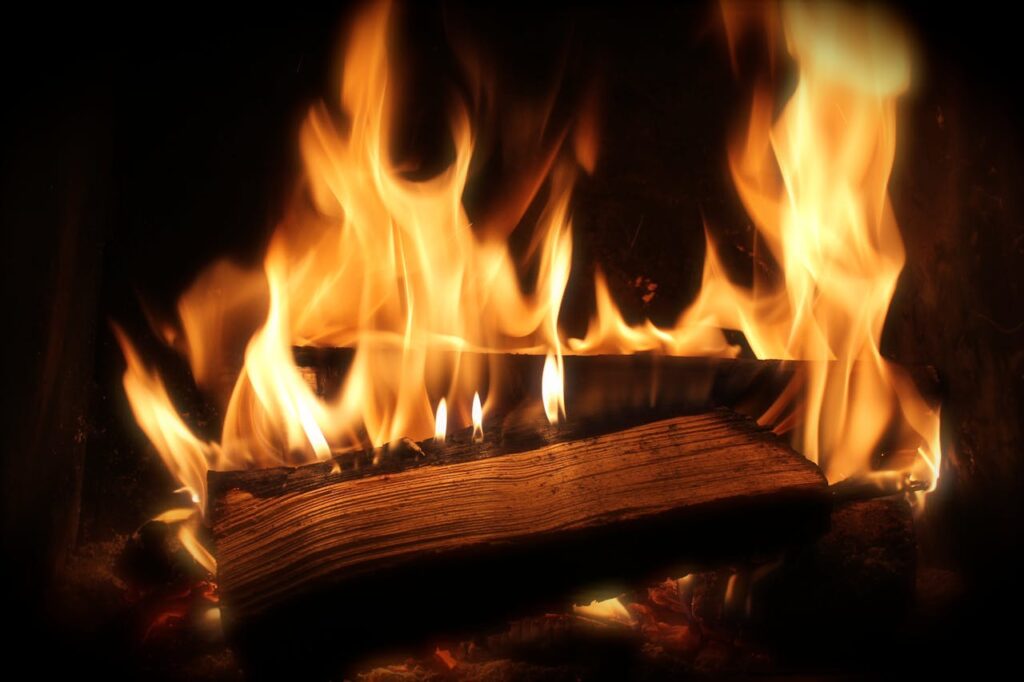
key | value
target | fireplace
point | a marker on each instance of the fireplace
(422, 341)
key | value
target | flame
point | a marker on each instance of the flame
(375, 261)
(441, 421)
(392, 268)
(814, 180)
(185, 455)
(478, 420)
(552, 388)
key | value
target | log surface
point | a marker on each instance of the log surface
(284, 532)
(599, 387)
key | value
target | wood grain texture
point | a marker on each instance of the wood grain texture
(287, 531)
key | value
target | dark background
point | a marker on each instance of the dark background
(138, 146)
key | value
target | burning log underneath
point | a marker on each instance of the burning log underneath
(730, 620)
(439, 537)
(601, 385)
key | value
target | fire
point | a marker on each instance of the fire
(441, 421)
(553, 389)
(392, 268)
(377, 262)
(814, 180)
(186, 456)
(607, 610)
(478, 420)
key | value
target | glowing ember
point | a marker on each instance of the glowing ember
(608, 610)
(441, 421)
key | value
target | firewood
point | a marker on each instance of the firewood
(859, 579)
(413, 540)
(600, 385)
(734, 619)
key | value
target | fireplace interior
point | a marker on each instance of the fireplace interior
(441, 341)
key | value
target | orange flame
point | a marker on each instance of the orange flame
(392, 268)
(387, 265)
(441, 421)
(185, 455)
(814, 181)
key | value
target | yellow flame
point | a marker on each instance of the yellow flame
(374, 261)
(815, 183)
(185, 455)
(552, 388)
(380, 263)
(392, 268)
(814, 180)
(441, 421)
(478, 420)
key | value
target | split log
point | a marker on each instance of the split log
(433, 537)
(848, 592)
(843, 602)
(601, 385)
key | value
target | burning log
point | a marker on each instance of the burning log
(461, 533)
(717, 621)
(598, 385)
